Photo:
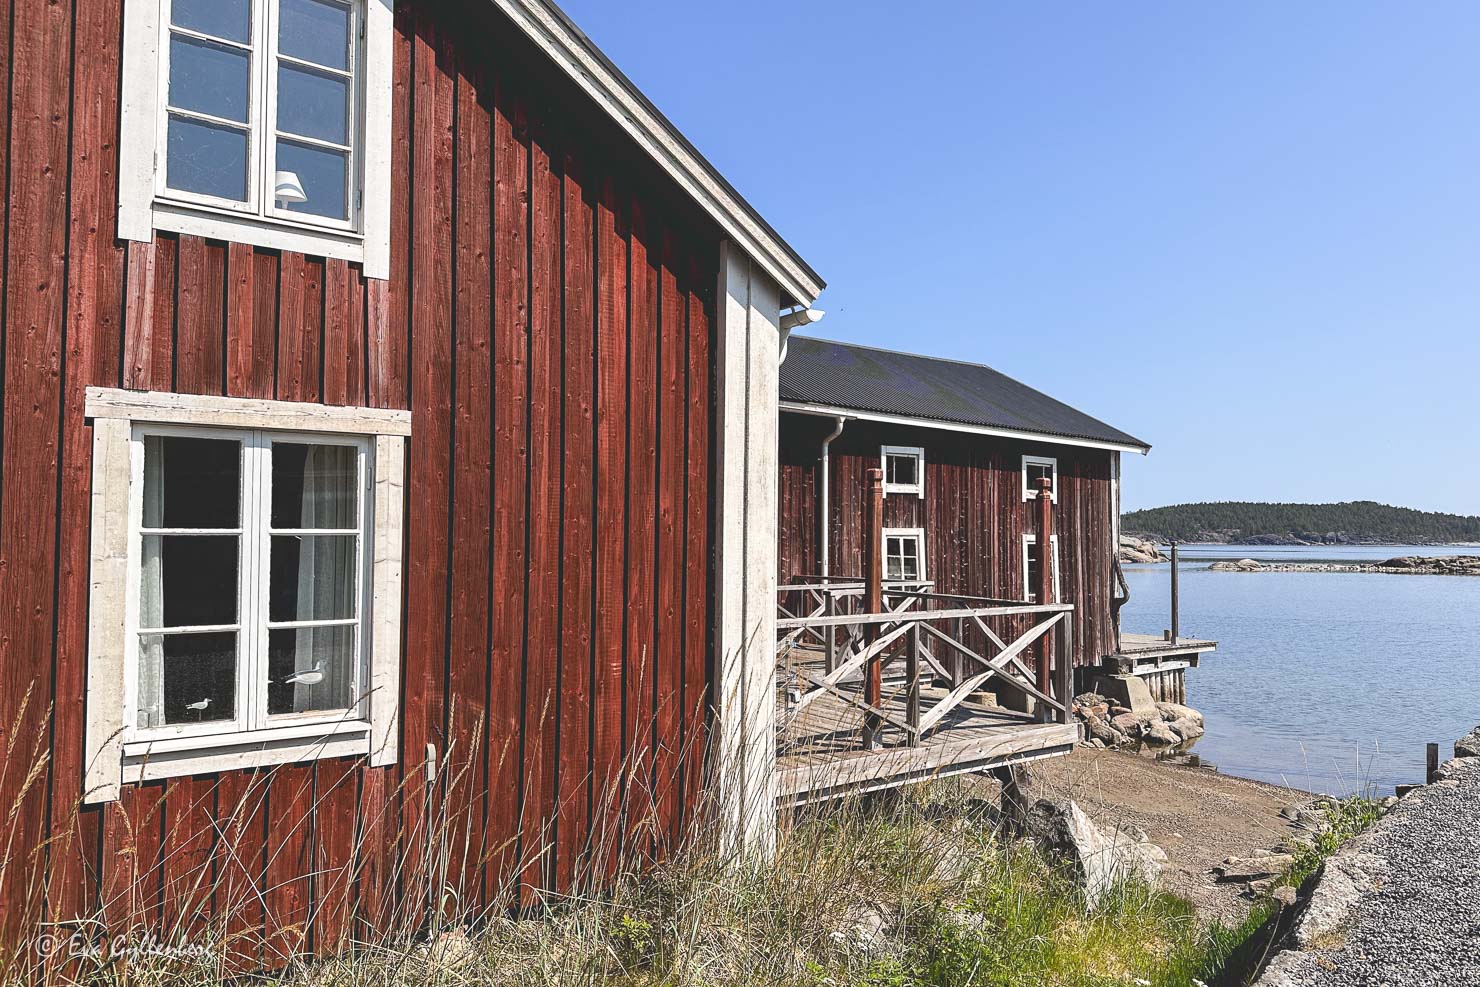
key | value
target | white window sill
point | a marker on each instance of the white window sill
(173, 217)
(202, 742)
(245, 751)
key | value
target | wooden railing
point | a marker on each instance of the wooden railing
(957, 640)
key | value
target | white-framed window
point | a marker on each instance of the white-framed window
(904, 555)
(904, 470)
(259, 121)
(1032, 560)
(1035, 470)
(246, 571)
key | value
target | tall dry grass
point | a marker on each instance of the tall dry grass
(919, 887)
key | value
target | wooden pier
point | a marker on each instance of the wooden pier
(1161, 661)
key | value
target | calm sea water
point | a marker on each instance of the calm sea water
(1323, 681)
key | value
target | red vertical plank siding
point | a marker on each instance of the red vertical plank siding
(557, 579)
(139, 316)
(300, 326)
(344, 335)
(35, 292)
(288, 884)
(578, 387)
(472, 478)
(267, 270)
(510, 396)
(541, 648)
(336, 790)
(199, 343)
(241, 864)
(668, 669)
(609, 668)
(642, 462)
(186, 857)
(94, 318)
(251, 325)
(431, 395)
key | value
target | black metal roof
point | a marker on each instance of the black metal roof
(861, 378)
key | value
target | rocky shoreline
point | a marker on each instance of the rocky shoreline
(1397, 905)
(1410, 565)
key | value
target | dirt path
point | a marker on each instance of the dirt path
(1198, 817)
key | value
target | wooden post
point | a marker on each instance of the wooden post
(912, 676)
(1045, 581)
(829, 608)
(1431, 757)
(873, 600)
(1176, 616)
(1064, 673)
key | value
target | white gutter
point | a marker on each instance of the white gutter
(826, 485)
(833, 411)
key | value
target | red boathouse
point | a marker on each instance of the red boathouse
(388, 421)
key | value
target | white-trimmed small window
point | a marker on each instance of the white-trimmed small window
(1037, 469)
(259, 121)
(904, 470)
(904, 555)
(1032, 561)
(246, 578)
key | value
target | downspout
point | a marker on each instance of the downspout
(826, 486)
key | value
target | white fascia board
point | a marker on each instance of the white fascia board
(831, 411)
(553, 33)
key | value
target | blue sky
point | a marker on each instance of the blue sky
(1248, 233)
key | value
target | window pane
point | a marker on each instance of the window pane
(311, 104)
(209, 78)
(314, 486)
(229, 19)
(313, 578)
(192, 483)
(902, 470)
(186, 678)
(188, 581)
(324, 175)
(310, 668)
(315, 31)
(206, 159)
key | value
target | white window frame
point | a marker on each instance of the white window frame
(1030, 592)
(1031, 493)
(117, 751)
(145, 205)
(918, 534)
(916, 452)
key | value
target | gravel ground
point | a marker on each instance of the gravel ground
(1401, 906)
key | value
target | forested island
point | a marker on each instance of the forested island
(1361, 522)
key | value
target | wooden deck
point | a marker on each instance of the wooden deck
(819, 756)
(1155, 644)
(1145, 654)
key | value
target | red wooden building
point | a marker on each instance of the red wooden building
(963, 451)
(386, 431)
(963, 448)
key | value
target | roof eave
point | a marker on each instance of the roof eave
(811, 408)
(568, 47)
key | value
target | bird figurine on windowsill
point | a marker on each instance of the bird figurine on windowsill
(199, 708)
(311, 676)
